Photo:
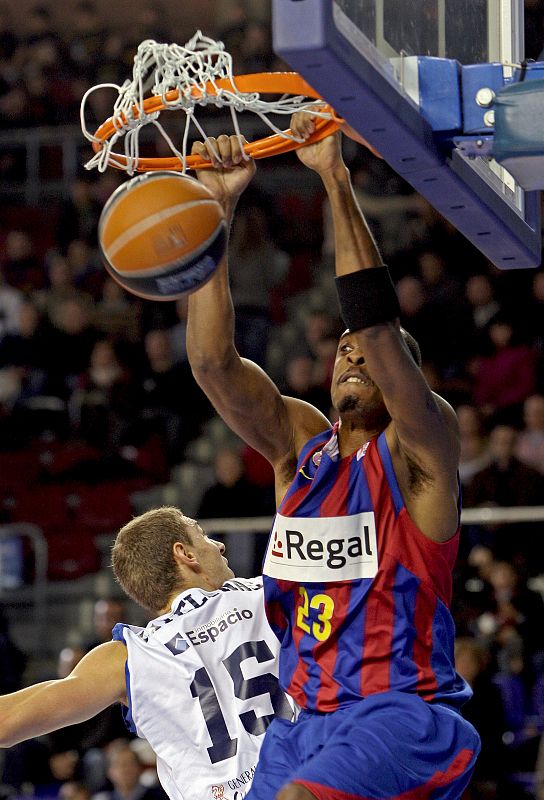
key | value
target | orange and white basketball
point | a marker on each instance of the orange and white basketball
(162, 235)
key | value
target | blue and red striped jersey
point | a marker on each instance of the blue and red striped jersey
(357, 595)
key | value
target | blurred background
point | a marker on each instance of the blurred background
(100, 417)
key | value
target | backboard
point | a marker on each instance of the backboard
(353, 53)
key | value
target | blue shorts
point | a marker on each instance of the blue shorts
(392, 746)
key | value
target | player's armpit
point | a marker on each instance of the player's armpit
(425, 462)
(95, 683)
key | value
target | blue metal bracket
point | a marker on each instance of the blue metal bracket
(474, 146)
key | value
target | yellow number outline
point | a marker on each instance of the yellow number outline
(303, 611)
(320, 629)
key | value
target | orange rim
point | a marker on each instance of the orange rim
(261, 82)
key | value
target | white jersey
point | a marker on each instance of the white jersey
(202, 688)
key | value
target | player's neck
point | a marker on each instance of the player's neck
(353, 434)
(202, 582)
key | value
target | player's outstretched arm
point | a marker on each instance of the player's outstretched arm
(242, 393)
(423, 435)
(95, 683)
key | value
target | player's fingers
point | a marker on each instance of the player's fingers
(237, 151)
(211, 151)
(198, 149)
(224, 148)
(302, 124)
(207, 150)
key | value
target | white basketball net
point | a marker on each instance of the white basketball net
(160, 68)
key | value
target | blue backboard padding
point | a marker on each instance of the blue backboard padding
(363, 93)
(440, 92)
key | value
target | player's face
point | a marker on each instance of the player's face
(352, 389)
(211, 558)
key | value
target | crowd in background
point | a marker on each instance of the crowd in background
(98, 405)
(44, 70)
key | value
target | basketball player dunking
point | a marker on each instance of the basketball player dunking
(358, 568)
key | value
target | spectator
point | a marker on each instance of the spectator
(21, 267)
(417, 316)
(73, 337)
(232, 31)
(484, 711)
(8, 39)
(530, 442)
(506, 481)
(106, 614)
(15, 113)
(443, 293)
(175, 415)
(104, 405)
(474, 452)
(25, 355)
(516, 609)
(79, 213)
(117, 313)
(318, 325)
(256, 47)
(482, 560)
(473, 590)
(506, 377)
(124, 771)
(10, 302)
(300, 382)
(533, 313)
(482, 303)
(85, 267)
(74, 790)
(232, 495)
(61, 287)
(257, 266)
(516, 682)
(39, 26)
(88, 35)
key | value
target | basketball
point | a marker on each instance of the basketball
(162, 235)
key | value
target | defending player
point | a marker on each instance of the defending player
(199, 682)
(358, 567)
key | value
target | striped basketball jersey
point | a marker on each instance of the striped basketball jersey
(202, 688)
(357, 595)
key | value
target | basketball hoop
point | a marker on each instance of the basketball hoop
(180, 78)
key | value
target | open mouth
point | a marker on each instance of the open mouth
(351, 377)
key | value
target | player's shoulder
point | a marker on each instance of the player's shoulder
(194, 602)
(306, 423)
(306, 419)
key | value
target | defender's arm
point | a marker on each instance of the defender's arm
(95, 683)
